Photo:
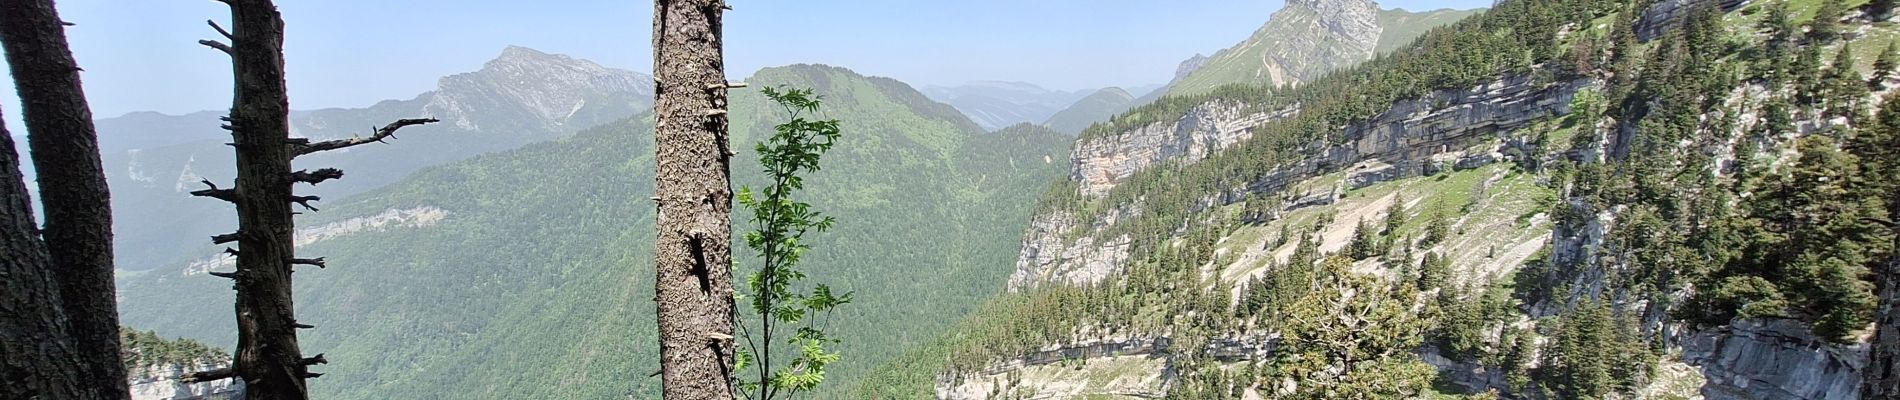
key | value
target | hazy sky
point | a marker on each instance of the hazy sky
(142, 55)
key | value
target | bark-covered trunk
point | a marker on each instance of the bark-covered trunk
(694, 254)
(72, 182)
(269, 360)
(33, 333)
(268, 357)
(1881, 380)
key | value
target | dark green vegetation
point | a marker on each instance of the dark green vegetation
(1401, 26)
(146, 349)
(531, 270)
(1670, 171)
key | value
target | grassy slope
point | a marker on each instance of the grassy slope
(1401, 26)
(538, 284)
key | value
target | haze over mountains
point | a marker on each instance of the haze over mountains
(1302, 40)
(452, 282)
(495, 242)
(1549, 199)
(523, 96)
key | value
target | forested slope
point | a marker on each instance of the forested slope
(1658, 199)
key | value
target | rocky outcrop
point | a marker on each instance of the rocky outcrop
(1101, 162)
(160, 382)
(1774, 359)
(1658, 18)
(416, 217)
(1050, 255)
(1149, 379)
(1412, 138)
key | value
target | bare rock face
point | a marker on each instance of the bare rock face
(1658, 18)
(1050, 257)
(160, 382)
(1101, 162)
(1412, 136)
(1774, 359)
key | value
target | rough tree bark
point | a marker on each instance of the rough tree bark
(32, 325)
(693, 275)
(269, 360)
(72, 185)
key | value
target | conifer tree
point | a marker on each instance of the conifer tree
(1826, 26)
(1846, 89)
(1885, 64)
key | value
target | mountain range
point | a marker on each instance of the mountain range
(451, 282)
(523, 96)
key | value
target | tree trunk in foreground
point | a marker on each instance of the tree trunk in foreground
(693, 275)
(77, 238)
(268, 357)
(32, 326)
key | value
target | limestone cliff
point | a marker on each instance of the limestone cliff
(1774, 359)
(1414, 137)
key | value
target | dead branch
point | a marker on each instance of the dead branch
(387, 131)
(305, 201)
(207, 376)
(319, 176)
(308, 261)
(216, 193)
(218, 45)
(221, 31)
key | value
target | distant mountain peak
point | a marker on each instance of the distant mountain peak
(551, 88)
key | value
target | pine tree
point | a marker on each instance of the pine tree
(1846, 89)
(1778, 47)
(1364, 243)
(1437, 230)
(1433, 271)
(1582, 353)
(1885, 64)
(1878, 145)
(1394, 217)
(1348, 338)
(74, 249)
(1826, 26)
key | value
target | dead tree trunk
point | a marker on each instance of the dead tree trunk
(72, 185)
(32, 324)
(693, 275)
(269, 360)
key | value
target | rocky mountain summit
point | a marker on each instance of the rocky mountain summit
(1301, 41)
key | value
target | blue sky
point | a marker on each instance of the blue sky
(142, 55)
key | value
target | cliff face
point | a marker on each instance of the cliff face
(1099, 163)
(1776, 359)
(1414, 137)
(160, 382)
